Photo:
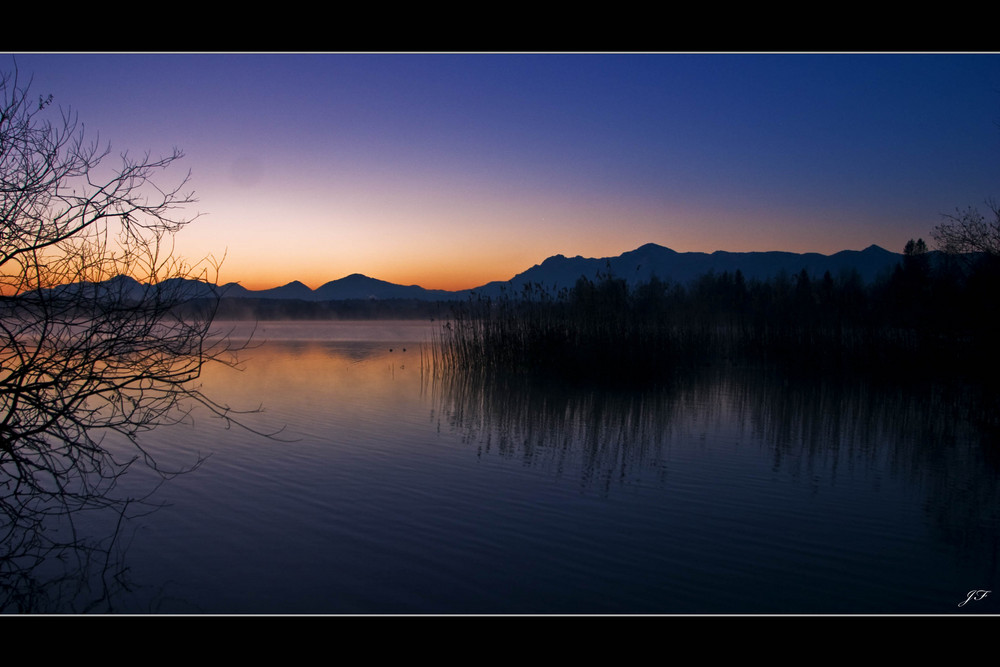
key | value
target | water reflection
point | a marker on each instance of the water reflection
(56, 558)
(603, 435)
(936, 440)
(395, 489)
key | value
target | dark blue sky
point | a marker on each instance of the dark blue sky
(453, 170)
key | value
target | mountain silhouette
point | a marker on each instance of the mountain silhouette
(357, 286)
(557, 272)
(639, 265)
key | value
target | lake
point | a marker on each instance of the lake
(394, 490)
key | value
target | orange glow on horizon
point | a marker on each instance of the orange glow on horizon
(451, 276)
(470, 272)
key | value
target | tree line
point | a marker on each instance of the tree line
(935, 312)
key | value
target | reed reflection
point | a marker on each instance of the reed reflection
(935, 439)
(606, 435)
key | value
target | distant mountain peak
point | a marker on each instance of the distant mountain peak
(654, 247)
(635, 266)
(639, 265)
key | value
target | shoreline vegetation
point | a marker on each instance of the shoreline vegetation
(933, 316)
(925, 320)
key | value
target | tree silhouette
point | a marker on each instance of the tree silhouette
(91, 337)
(970, 231)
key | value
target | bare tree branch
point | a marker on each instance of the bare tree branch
(969, 231)
(102, 328)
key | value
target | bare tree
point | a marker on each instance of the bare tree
(93, 338)
(969, 231)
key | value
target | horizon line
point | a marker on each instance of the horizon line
(502, 280)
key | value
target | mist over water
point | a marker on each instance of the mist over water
(394, 489)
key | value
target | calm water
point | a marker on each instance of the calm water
(392, 491)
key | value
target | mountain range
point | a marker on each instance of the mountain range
(635, 266)
(556, 272)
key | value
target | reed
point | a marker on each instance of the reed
(607, 332)
(594, 332)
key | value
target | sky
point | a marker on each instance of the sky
(452, 170)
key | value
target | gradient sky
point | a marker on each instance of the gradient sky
(452, 170)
